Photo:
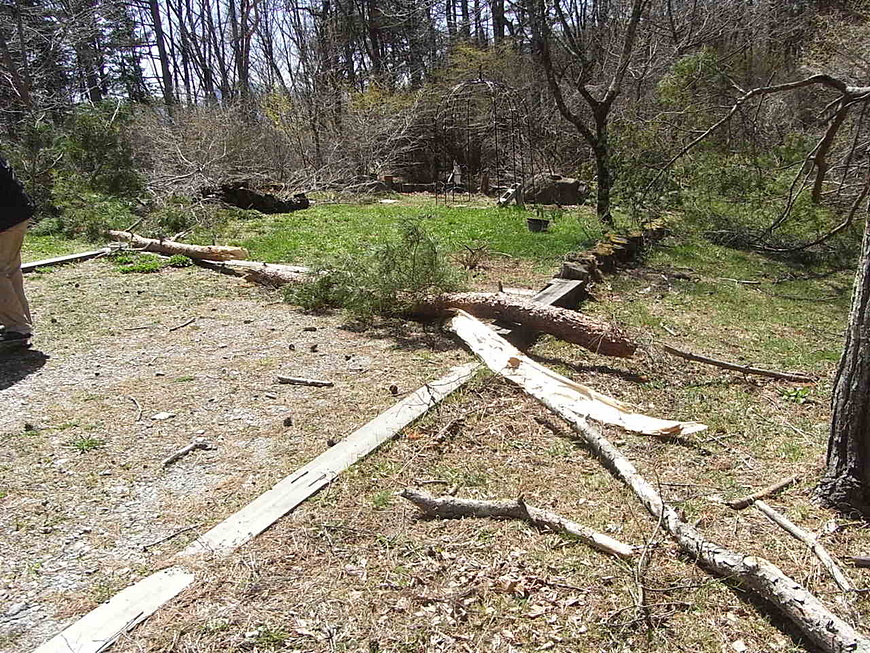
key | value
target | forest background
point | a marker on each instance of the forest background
(116, 110)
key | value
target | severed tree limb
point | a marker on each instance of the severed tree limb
(746, 369)
(810, 540)
(170, 247)
(448, 507)
(570, 326)
(769, 491)
(828, 631)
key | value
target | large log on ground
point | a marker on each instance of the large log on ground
(170, 247)
(245, 195)
(570, 326)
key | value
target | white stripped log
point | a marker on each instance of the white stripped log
(270, 506)
(100, 627)
(828, 631)
(505, 359)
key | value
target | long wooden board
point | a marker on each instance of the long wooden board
(58, 260)
(100, 627)
(270, 506)
(97, 630)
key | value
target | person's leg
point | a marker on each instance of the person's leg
(14, 310)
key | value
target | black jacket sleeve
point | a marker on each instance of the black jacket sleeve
(15, 205)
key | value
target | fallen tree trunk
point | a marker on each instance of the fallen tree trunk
(811, 617)
(449, 507)
(570, 326)
(170, 247)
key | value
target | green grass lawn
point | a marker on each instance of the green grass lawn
(737, 304)
(39, 247)
(324, 231)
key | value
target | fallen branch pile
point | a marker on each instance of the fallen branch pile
(810, 615)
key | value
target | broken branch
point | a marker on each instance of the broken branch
(810, 540)
(746, 369)
(198, 443)
(448, 507)
(769, 491)
(298, 380)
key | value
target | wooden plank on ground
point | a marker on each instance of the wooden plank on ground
(99, 629)
(59, 260)
(270, 506)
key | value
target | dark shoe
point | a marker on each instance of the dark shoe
(14, 340)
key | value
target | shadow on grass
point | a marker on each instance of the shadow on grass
(585, 369)
(407, 335)
(15, 366)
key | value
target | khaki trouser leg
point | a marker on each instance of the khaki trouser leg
(14, 310)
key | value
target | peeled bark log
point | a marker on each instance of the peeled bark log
(170, 247)
(570, 326)
(273, 274)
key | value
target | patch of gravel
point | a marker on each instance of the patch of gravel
(82, 488)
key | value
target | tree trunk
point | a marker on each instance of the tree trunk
(846, 482)
(162, 54)
(602, 166)
(170, 247)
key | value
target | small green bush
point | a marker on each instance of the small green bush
(385, 280)
(179, 261)
(144, 264)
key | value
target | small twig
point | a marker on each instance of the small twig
(172, 535)
(298, 380)
(182, 325)
(138, 408)
(198, 443)
(431, 481)
(769, 491)
(742, 281)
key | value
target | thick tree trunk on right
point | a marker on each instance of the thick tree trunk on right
(846, 482)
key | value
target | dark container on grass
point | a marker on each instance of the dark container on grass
(537, 224)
